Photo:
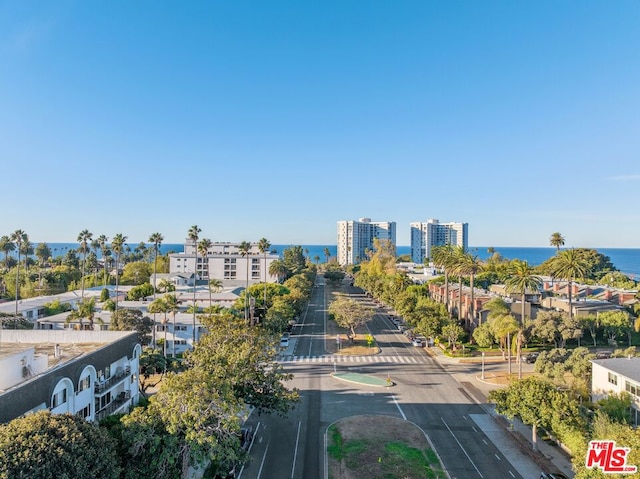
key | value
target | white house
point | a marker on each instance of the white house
(88, 373)
(617, 375)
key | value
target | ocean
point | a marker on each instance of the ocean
(627, 260)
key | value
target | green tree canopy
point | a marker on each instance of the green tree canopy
(349, 313)
(56, 445)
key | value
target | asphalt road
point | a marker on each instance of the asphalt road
(424, 393)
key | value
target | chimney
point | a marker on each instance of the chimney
(607, 294)
(556, 287)
(576, 289)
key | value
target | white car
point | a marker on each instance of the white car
(417, 342)
(284, 340)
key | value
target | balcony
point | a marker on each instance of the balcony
(113, 406)
(120, 375)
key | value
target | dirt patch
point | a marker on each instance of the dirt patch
(358, 449)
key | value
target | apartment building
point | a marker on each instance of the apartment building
(617, 375)
(92, 374)
(426, 235)
(355, 238)
(224, 261)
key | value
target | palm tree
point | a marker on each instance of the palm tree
(6, 246)
(569, 265)
(102, 241)
(86, 309)
(327, 253)
(442, 259)
(471, 265)
(263, 246)
(244, 248)
(279, 269)
(522, 279)
(117, 244)
(18, 237)
(172, 307)
(192, 234)
(159, 305)
(84, 237)
(214, 285)
(457, 263)
(155, 239)
(556, 240)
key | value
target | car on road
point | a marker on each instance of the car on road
(530, 358)
(604, 354)
(553, 475)
(284, 340)
(417, 342)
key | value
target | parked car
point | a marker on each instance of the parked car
(604, 354)
(284, 340)
(417, 342)
(530, 358)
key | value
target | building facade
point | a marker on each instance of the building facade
(224, 261)
(426, 235)
(92, 374)
(355, 238)
(617, 375)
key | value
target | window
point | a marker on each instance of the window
(613, 378)
(180, 328)
(85, 383)
(85, 412)
(632, 389)
(59, 398)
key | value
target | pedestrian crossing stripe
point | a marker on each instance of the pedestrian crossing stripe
(337, 358)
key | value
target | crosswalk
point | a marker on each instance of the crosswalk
(338, 358)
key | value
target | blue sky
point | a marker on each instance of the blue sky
(279, 118)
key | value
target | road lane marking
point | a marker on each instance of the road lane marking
(512, 474)
(485, 442)
(264, 457)
(399, 408)
(474, 429)
(497, 457)
(295, 453)
(463, 449)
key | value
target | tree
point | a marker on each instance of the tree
(56, 445)
(469, 265)
(244, 248)
(126, 319)
(86, 310)
(530, 399)
(214, 285)
(263, 247)
(442, 257)
(350, 314)
(615, 323)
(6, 246)
(277, 268)
(156, 239)
(159, 305)
(556, 240)
(140, 292)
(327, 254)
(102, 241)
(18, 237)
(84, 237)
(569, 265)
(453, 332)
(135, 273)
(43, 253)
(192, 234)
(117, 245)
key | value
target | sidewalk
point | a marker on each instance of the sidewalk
(512, 437)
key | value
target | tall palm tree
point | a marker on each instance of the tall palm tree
(263, 246)
(27, 250)
(442, 259)
(159, 305)
(569, 265)
(102, 241)
(521, 280)
(556, 240)
(84, 237)
(117, 245)
(457, 264)
(203, 247)
(193, 235)
(155, 239)
(172, 307)
(244, 248)
(471, 265)
(327, 253)
(6, 246)
(18, 237)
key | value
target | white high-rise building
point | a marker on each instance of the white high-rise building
(424, 236)
(355, 238)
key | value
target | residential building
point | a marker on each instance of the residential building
(426, 235)
(224, 261)
(355, 238)
(89, 373)
(617, 375)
